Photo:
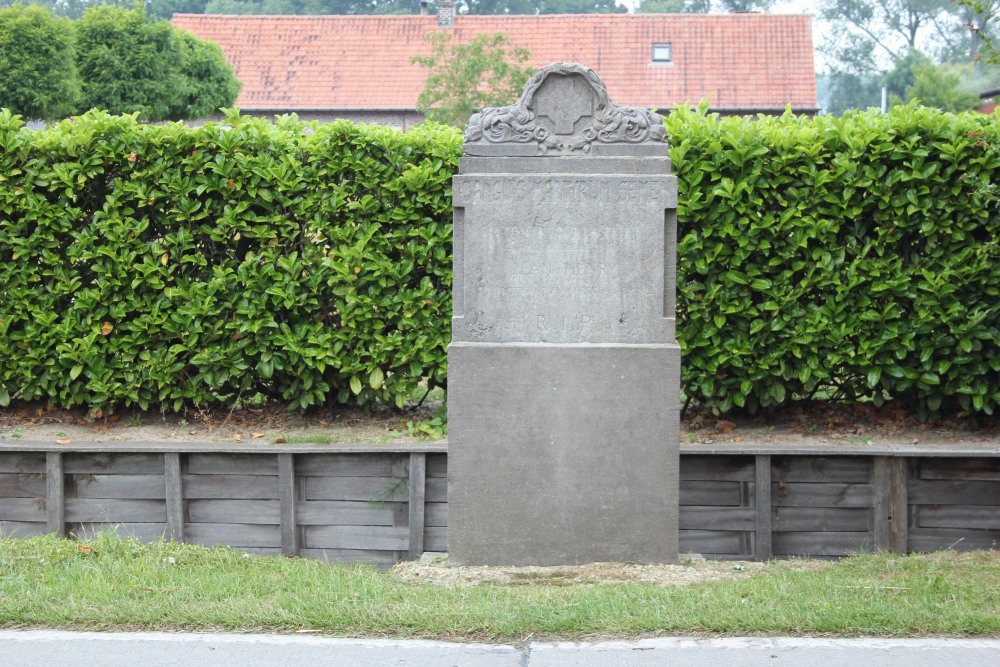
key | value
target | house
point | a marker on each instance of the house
(359, 67)
(989, 101)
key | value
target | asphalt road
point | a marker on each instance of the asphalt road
(46, 648)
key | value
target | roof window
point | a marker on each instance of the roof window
(661, 52)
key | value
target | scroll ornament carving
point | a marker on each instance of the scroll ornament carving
(610, 123)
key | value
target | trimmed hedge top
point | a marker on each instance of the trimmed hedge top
(850, 257)
(241, 261)
(170, 266)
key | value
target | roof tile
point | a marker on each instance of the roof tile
(737, 61)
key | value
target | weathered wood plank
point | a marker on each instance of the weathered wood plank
(357, 537)
(211, 510)
(941, 492)
(717, 468)
(821, 544)
(969, 517)
(233, 534)
(375, 489)
(22, 509)
(437, 514)
(836, 519)
(962, 469)
(762, 507)
(254, 487)
(22, 462)
(106, 463)
(144, 532)
(716, 518)
(844, 469)
(287, 494)
(146, 487)
(710, 541)
(110, 510)
(351, 465)
(231, 464)
(884, 506)
(415, 503)
(344, 513)
(173, 488)
(808, 494)
(436, 538)
(898, 527)
(23, 528)
(55, 493)
(958, 539)
(722, 494)
(22, 485)
(437, 465)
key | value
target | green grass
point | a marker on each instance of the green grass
(114, 583)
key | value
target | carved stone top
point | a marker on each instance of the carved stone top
(564, 110)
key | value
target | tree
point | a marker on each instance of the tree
(465, 78)
(942, 86)
(37, 73)
(126, 61)
(71, 9)
(131, 62)
(980, 19)
(208, 81)
(167, 8)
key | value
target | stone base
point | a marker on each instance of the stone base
(562, 454)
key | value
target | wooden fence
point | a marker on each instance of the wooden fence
(381, 504)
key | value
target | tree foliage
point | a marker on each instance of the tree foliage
(873, 43)
(207, 80)
(123, 60)
(37, 70)
(467, 77)
(127, 62)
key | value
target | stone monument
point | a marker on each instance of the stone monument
(564, 371)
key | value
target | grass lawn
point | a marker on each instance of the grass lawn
(114, 583)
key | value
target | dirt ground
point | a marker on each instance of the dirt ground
(691, 569)
(818, 423)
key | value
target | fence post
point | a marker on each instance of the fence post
(762, 504)
(418, 493)
(55, 493)
(174, 495)
(286, 494)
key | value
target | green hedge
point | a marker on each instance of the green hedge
(169, 266)
(853, 257)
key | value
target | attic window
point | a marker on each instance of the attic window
(661, 53)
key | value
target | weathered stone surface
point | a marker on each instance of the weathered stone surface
(565, 109)
(562, 454)
(564, 372)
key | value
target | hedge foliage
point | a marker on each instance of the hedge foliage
(168, 266)
(851, 257)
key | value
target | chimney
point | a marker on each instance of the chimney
(423, 8)
(446, 14)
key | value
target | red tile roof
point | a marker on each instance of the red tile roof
(738, 61)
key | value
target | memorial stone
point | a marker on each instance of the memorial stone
(564, 371)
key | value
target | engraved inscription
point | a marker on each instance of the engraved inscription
(584, 269)
(562, 190)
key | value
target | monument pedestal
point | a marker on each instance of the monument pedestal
(564, 372)
(562, 453)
